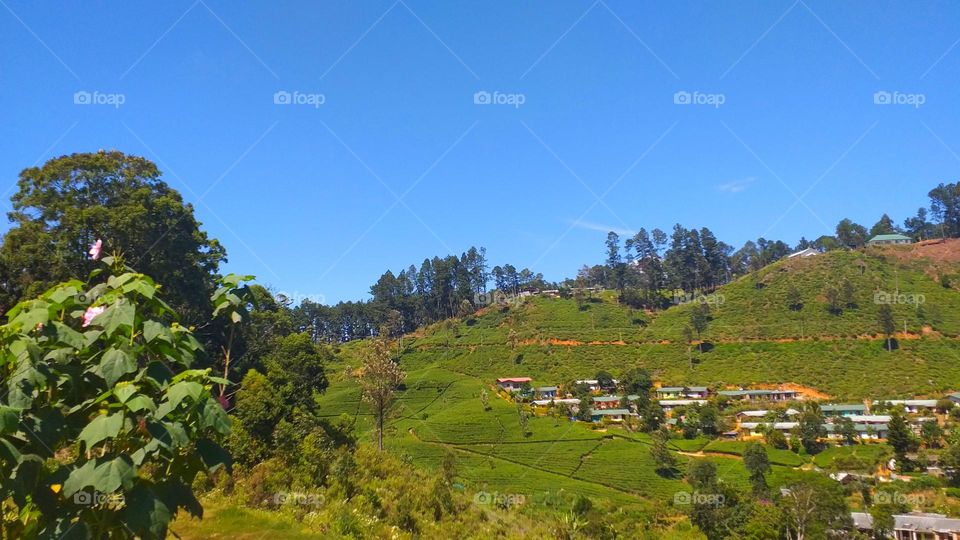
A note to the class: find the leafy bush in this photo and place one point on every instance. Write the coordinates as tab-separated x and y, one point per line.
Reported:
103	423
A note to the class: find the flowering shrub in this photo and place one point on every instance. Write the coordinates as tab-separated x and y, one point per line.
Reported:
103	422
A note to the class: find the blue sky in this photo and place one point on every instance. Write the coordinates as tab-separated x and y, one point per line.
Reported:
398	162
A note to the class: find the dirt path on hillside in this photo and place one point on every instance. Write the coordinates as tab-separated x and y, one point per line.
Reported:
927	333
701	454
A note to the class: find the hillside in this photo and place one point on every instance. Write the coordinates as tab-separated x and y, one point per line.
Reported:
754	339
754	336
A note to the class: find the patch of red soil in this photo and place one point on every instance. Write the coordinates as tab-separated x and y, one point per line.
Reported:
936	250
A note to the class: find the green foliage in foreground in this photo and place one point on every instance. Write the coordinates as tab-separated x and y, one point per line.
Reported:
382	496
103	425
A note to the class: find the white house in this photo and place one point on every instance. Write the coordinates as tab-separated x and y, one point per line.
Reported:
669	404
912	406
513	384
913	526
809	252
678	392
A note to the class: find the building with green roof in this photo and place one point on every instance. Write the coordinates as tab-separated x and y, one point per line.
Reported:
886	239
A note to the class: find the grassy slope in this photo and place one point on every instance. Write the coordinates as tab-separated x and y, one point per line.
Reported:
449	363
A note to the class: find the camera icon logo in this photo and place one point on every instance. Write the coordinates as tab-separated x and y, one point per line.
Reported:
682	98
83	498
882	98
482	98
681	498
282	97
82	98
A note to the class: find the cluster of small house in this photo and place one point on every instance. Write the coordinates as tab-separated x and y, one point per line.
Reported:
610	407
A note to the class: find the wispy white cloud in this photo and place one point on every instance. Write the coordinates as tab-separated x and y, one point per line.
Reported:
736	186
590	226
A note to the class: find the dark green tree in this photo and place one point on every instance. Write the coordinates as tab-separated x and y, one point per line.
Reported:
794	300
847	429
887	325
899	435
295	366
848	294
945	207
637	382
757	463
699	319
64	206
811	427
664	460
834	305
884	226
851	234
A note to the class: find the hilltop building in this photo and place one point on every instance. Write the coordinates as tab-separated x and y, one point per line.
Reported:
888	239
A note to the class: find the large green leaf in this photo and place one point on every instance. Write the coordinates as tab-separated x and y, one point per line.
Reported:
213	416
146	514
9	419
213	455
63	355
8	451
141	403
169	435
115	364
154	330
183	390
109	476
80	478
124	390
62	294
101	428
69	336
141	454
28	320
119	314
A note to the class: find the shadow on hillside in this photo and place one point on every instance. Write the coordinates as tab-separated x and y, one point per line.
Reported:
670	473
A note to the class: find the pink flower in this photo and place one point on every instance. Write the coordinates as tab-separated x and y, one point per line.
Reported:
91	313
224	402
95	249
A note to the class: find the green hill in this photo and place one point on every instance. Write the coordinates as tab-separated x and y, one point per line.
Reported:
754	338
